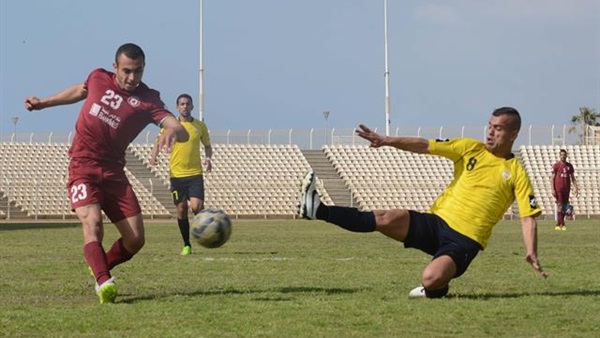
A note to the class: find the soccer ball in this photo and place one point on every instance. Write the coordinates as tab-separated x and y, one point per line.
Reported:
211	228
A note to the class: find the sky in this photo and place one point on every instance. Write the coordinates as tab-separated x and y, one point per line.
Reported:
281	63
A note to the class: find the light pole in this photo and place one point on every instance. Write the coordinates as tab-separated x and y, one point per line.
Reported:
386	74
201	69
15	120
326	116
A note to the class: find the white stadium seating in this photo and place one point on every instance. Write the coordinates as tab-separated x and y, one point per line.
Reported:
247	179
257	180
386	178
34	177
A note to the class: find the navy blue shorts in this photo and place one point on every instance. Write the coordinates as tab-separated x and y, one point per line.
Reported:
431	234
184	188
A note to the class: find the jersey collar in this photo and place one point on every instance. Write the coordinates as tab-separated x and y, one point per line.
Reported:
179	119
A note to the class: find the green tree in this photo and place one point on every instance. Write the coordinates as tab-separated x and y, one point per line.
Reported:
581	122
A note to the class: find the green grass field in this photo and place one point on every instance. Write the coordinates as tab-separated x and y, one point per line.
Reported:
297	279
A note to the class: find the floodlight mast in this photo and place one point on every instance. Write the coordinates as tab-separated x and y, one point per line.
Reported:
201	69
386	74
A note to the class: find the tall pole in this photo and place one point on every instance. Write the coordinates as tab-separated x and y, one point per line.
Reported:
386	75
201	87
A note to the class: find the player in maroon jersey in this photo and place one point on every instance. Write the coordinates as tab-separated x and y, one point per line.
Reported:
562	178
117	107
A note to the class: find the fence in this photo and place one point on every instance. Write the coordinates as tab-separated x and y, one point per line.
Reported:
316	138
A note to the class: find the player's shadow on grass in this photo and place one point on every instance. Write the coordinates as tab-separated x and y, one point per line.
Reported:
485	296
41	225
282	291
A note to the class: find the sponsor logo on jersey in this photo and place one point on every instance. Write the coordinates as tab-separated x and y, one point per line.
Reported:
506	174
134	101
95	109
105	116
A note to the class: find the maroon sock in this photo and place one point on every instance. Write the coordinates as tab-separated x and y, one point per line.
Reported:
561	218
96	259
117	254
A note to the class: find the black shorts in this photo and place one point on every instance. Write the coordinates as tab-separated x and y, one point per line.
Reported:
184	188
431	234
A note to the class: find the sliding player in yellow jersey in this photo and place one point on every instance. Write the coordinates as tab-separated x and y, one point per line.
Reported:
487	179
185	168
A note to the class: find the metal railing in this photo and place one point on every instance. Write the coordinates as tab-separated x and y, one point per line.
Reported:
316	138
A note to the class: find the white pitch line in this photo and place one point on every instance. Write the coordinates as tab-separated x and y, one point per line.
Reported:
224	259
266	259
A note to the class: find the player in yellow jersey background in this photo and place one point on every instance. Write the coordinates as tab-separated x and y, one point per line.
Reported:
487	179
185	168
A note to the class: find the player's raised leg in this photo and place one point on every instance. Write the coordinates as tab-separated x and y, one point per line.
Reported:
311	207
309	200
392	223
123	209
132	240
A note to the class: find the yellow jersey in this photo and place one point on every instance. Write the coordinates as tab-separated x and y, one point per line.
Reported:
185	156
483	188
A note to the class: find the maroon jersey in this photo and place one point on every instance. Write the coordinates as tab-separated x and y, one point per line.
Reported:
112	117
562	175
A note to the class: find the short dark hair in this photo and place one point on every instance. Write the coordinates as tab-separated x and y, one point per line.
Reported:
563	151
187	96
512	112
131	50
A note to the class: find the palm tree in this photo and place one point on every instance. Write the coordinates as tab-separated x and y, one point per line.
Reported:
587	117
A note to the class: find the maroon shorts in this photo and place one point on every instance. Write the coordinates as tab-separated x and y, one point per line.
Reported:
562	197
90	183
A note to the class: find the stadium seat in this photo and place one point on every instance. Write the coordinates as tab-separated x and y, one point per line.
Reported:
585	159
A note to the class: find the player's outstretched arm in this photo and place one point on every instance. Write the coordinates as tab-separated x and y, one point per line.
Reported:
154	154
529	229
412	144
72	94
173	132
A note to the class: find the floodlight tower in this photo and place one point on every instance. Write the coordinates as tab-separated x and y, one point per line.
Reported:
201	69
386	74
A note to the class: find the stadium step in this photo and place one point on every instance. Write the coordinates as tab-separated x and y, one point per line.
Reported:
333	183
144	175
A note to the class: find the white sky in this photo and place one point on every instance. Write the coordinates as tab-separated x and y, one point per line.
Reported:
280	64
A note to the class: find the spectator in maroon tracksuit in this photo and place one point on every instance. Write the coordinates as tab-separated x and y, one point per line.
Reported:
562	177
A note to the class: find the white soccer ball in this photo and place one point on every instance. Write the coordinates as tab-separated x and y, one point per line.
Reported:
211	228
